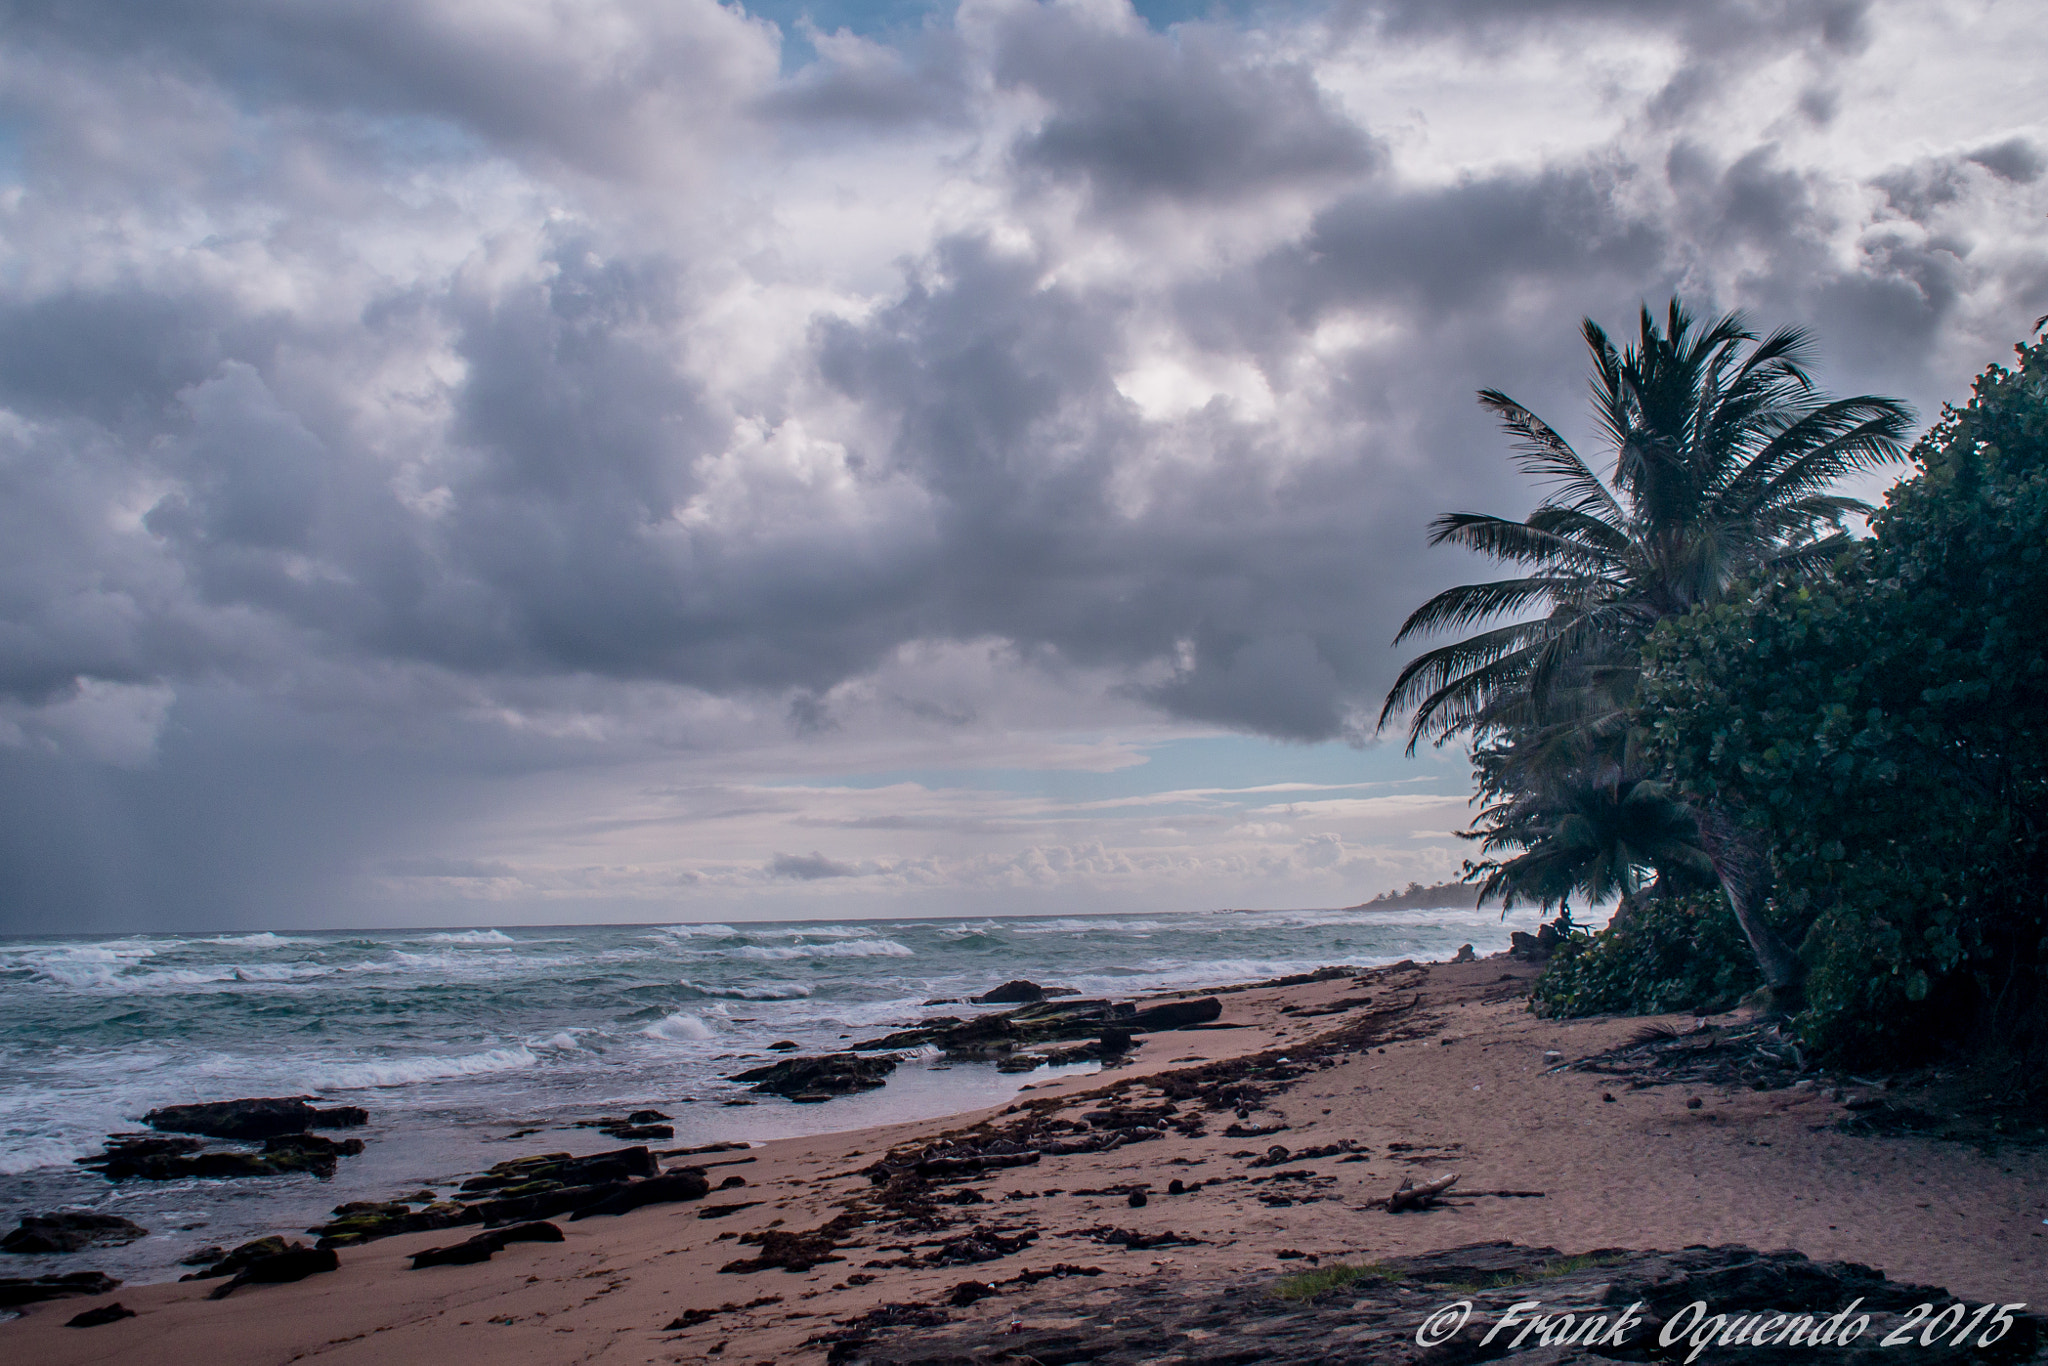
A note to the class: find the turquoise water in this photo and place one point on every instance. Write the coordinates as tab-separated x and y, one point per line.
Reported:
455	1040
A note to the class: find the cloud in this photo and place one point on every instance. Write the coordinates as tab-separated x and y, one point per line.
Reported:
809	867
420	422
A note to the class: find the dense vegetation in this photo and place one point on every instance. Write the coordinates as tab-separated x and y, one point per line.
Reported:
1754	730
1884	726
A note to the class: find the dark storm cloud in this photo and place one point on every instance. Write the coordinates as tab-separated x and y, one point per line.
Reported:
574	83
809	867
1445	251
351	357
1137	116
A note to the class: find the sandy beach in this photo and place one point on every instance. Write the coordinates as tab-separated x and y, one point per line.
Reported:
1409	1071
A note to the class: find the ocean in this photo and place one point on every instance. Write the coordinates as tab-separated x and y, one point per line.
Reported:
461	1043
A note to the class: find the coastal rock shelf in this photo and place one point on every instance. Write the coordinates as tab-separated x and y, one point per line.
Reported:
253	1118
527	1189
1370	1313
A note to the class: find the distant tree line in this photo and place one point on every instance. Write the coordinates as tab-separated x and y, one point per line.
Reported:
1415	896
1796	757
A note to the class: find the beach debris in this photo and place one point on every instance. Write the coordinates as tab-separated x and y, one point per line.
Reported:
1758	1055
15	1290
1134	1239
485	1246
1254	1130
1408	1195
69	1231
690	1318
106	1313
253	1118
785	1250
829	1075
676	1184
294	1263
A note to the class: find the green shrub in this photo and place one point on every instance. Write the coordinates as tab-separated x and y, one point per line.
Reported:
1674	953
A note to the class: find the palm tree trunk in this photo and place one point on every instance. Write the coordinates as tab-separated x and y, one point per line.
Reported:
1742	863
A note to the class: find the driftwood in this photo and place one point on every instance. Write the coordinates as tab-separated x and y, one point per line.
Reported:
1408	1195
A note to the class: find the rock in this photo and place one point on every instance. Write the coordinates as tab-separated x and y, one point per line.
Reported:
253	1118
1016	993
16	1290
561	1169
1177	1014
519	1209
1021	1062
295	1263
646	1117
788	1045
1137	1200
364	1221
1465	954
831	1074
1219	1320
205	1256
240	1258
69	1231
1524	947
174	1159
683	1183
484	1246
641	1131
1115	1041
106	1313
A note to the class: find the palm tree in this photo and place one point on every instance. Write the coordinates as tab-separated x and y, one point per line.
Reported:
1725	465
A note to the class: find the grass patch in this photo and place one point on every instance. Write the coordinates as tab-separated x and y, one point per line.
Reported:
1549	1271
1309	1284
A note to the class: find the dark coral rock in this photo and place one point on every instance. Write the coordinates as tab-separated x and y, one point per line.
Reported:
259	1117
106	1313
295	1263
16	1290
69	1231
831	1074
484	1246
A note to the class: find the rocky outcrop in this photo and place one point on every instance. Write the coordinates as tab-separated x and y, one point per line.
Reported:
1021	993
148	1158
69	1231
1177	1014
834	1074
525	1175
363	1221
485	1246
1374	1316
18	1290
684	1183
294	1262
106	1313
255	1118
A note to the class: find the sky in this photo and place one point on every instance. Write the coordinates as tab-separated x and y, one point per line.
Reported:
544	461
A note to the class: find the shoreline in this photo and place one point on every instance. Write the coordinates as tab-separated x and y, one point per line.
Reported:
1408	1070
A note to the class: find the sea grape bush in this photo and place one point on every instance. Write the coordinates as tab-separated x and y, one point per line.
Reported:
1672	953
1885	725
